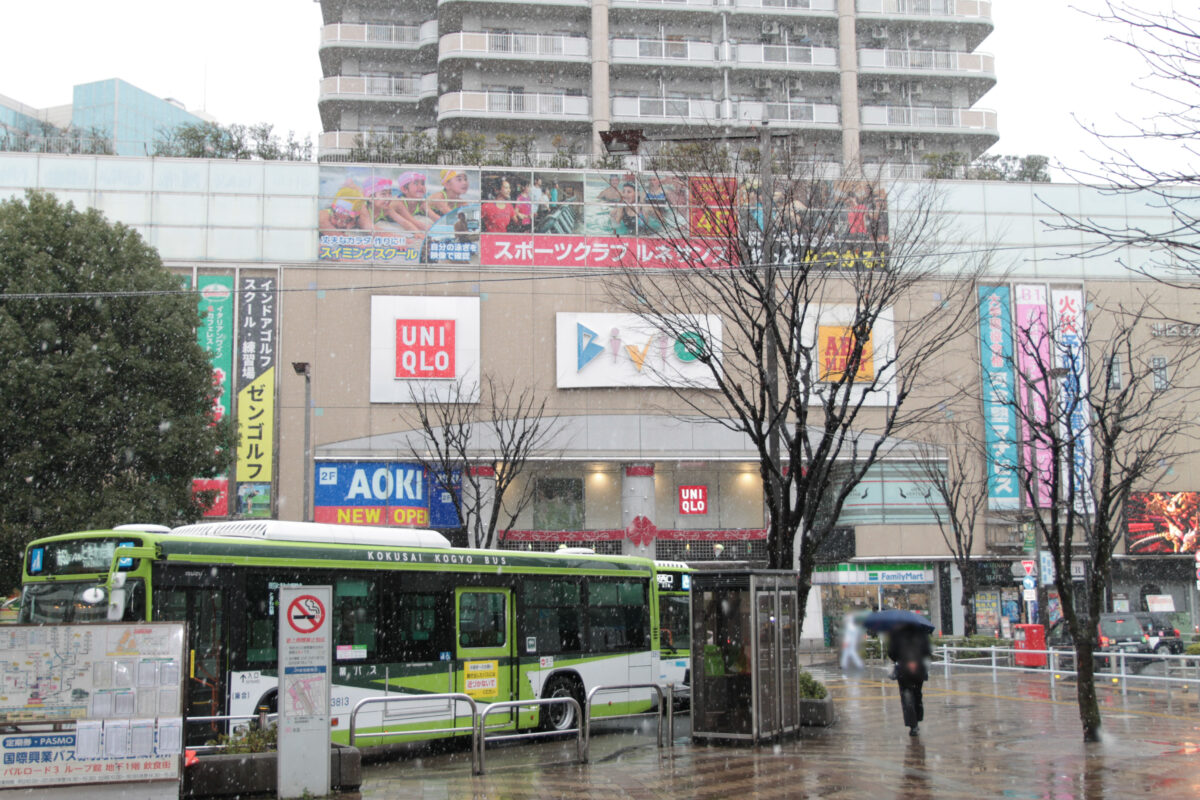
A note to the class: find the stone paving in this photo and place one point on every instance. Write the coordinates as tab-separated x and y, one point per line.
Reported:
1015	737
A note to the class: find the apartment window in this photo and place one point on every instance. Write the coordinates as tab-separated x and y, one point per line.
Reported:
1158	366
1114	372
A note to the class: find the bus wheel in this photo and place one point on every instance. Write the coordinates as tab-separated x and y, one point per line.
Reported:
561	716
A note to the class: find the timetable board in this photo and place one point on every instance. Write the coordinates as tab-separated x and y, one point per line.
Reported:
120	683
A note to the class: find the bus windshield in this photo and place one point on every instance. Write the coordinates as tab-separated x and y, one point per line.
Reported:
60	603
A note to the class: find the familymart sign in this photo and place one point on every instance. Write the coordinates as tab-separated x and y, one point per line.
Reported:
872	574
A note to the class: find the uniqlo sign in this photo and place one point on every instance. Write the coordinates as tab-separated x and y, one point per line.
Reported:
693	499
425	348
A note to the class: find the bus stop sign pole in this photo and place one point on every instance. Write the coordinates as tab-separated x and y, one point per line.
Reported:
304	688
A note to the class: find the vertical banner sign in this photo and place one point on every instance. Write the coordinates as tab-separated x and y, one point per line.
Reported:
256	394
1066	307
304	689
215	335
1034	365
999	414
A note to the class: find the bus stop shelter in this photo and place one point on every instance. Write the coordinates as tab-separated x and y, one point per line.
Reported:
745	655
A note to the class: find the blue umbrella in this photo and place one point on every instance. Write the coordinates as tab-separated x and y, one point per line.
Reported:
891	619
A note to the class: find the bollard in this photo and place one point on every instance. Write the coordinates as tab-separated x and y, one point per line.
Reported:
994	676
1124	682
946	662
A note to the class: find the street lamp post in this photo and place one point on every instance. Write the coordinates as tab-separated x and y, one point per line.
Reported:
305	369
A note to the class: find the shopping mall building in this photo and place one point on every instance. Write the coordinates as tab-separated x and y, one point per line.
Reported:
302	300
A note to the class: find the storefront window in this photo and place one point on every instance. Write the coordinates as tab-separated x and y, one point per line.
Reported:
558	504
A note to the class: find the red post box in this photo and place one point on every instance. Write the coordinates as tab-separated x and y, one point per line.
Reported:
1029	637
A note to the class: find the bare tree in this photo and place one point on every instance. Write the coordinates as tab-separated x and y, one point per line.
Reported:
949	471
1099	420
834	301
1169	44
478	442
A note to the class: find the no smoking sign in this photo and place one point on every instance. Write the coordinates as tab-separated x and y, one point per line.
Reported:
306	614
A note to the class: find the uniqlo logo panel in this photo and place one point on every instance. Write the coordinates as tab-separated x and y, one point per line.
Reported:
425	348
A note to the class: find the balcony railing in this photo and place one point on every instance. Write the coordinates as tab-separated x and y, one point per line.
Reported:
673	109
969	9
921	117
927	60
365	33
522	45
397	87
786	54
664	50
500	104
754	111
803	5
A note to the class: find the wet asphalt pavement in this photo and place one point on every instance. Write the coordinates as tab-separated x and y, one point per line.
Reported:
1017	737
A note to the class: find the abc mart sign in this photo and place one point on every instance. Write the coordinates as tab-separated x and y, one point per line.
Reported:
625	350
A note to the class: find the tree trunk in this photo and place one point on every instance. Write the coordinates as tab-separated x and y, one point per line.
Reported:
1085	692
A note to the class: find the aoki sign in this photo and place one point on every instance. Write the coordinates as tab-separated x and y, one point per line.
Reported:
595	350
421	346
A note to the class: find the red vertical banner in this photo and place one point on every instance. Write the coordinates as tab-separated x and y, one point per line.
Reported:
712	207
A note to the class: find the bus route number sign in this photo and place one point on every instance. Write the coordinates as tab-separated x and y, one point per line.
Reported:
306	614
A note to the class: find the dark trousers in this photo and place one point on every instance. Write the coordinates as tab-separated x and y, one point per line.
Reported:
912	702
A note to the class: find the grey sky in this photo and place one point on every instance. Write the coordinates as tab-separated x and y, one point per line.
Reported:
256	61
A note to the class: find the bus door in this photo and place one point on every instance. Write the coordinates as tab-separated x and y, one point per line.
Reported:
204	610
485	648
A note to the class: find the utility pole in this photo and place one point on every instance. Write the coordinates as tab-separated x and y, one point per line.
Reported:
766	194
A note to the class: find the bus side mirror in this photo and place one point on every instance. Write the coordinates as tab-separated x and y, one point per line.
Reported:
116	597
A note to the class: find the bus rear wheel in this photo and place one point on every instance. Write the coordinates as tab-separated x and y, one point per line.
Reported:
561	716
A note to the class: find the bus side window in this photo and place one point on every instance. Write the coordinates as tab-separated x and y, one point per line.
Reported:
261	621
482	619
618	616
416	626
354	607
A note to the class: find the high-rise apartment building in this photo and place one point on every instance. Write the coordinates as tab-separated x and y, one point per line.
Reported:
884	81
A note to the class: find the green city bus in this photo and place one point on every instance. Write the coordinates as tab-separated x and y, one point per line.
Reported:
675	627
411	615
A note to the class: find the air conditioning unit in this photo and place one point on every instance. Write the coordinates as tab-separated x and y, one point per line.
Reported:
800	31
795	85
916	89
895	143
879	33
764	83
770	27
881	87
919	145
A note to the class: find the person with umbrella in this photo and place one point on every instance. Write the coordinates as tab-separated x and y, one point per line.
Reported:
908	647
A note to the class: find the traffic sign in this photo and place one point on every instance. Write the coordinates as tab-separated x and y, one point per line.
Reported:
305	614
1029	582
1027	565
1031	595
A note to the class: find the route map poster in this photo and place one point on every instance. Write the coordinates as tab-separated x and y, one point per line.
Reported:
122	685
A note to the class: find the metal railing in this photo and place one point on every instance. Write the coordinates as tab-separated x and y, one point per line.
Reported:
479	729
665	701
1124	667
481	737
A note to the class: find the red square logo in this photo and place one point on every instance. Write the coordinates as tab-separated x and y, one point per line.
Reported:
693	499
425	348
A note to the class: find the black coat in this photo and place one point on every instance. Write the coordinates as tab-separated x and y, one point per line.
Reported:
909	647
